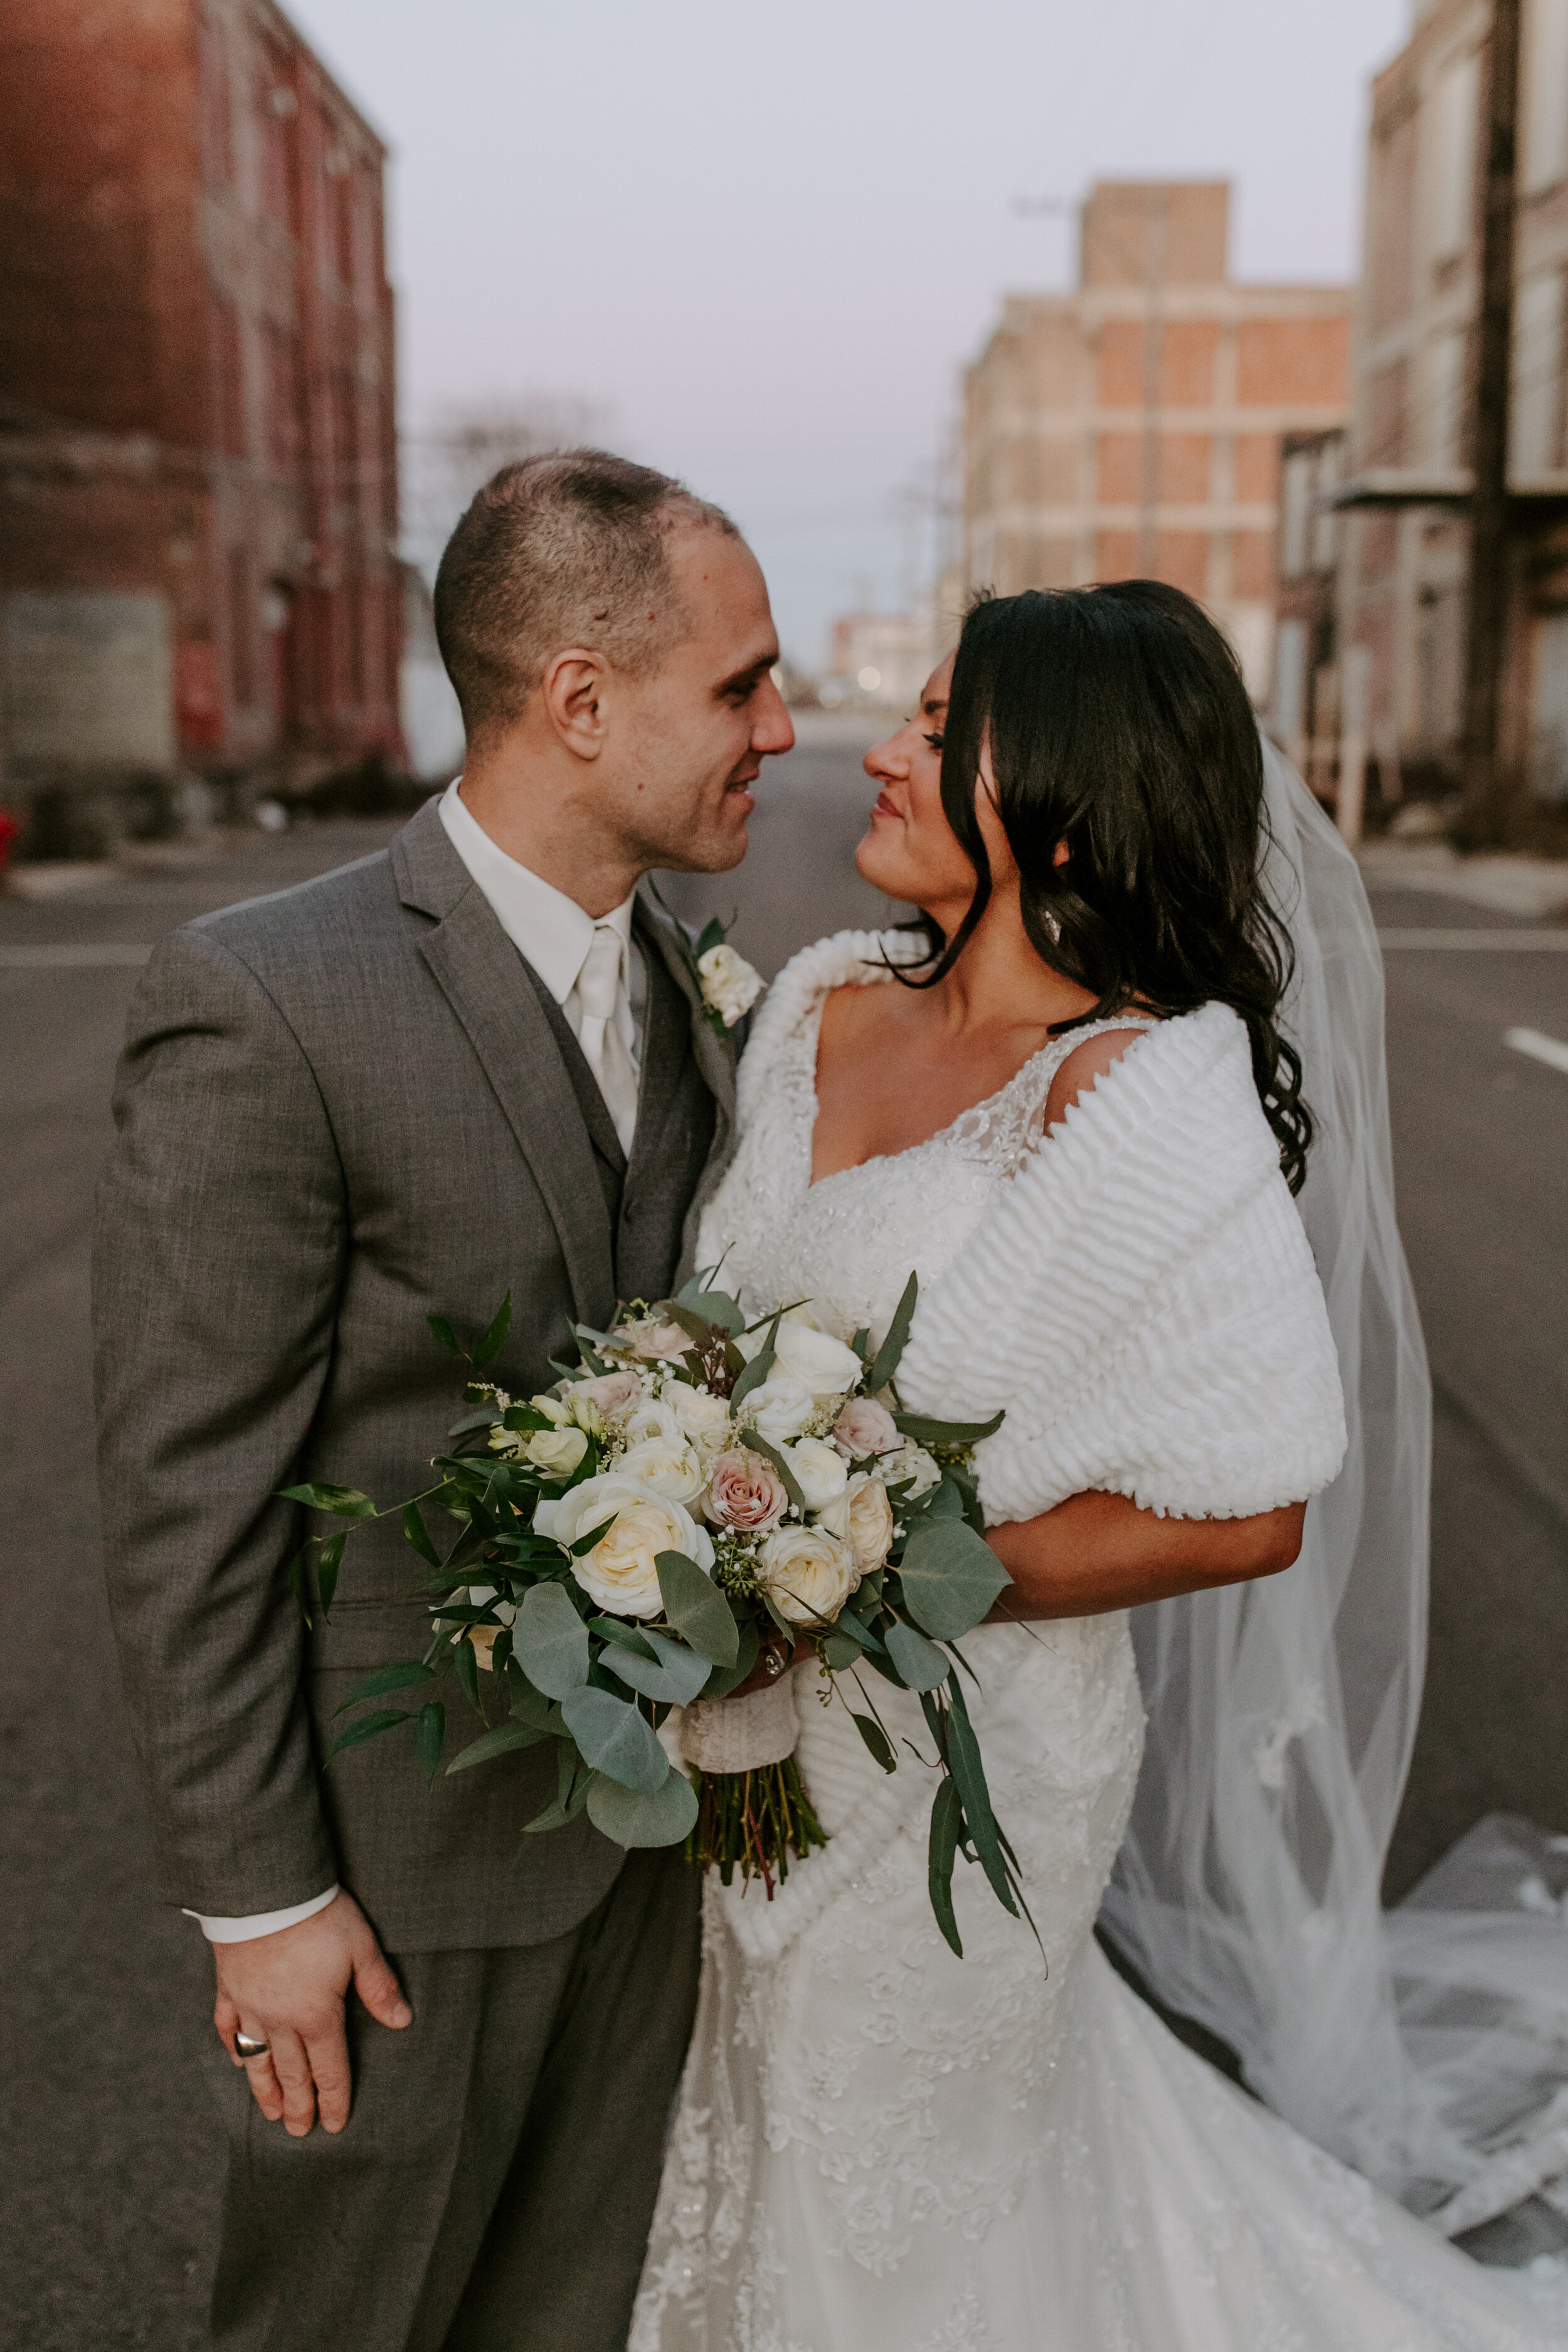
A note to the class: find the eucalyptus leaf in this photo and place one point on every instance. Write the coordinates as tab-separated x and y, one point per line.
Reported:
531	1706
876	1739
919	1662
885	1363
616	1740
625	1637
417	1533
338	1502
724	1679
697	1609
969	1773
369	1726
674	1679
573	1783
549	1640
945	1502
716	1306
756	1444
950	1578
430	1738
499	1742
840	1649
400	1676
490	1346
662	1816
925	1431
946	1818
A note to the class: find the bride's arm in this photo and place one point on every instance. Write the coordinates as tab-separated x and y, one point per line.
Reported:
1095	1552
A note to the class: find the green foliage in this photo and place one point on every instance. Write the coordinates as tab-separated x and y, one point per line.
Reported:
923	1431
549	1640
417	1533
338	1502
400	1676
466	1666
946	1821
950	1577
840	1648
724	1679
327	1568
499	1742
443	1334
369	1726
430	1738
877	1740
697	1609
490	1346
674	1679
757	1370
886	1361
662	1816
613	1738
770	1453
920	1663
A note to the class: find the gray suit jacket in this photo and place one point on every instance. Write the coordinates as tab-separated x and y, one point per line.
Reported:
340	1109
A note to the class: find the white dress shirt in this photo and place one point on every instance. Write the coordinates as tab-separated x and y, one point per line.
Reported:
555	934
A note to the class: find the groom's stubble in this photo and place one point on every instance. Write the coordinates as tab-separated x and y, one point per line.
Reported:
606	776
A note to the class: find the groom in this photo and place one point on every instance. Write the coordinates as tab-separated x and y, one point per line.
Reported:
475	1061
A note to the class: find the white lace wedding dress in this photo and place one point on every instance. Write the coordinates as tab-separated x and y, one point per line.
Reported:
880	2147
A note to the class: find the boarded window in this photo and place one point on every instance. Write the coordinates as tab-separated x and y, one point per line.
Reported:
1454	157
1543	94
1533	427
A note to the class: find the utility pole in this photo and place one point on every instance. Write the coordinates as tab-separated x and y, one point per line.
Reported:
1486	781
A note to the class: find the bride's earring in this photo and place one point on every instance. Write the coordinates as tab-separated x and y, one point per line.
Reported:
1053	925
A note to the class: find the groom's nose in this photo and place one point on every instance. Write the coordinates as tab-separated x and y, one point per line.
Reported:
772	729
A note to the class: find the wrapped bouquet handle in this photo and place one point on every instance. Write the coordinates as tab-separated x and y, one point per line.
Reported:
741	1735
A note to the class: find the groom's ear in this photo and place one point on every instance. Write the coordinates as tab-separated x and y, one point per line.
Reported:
572	698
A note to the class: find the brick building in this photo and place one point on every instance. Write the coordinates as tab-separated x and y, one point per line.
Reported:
1133	428
197	452
1403	571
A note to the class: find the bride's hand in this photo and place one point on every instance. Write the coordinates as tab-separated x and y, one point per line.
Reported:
1095	1552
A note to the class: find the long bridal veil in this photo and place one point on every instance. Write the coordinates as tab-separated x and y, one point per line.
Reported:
1427	2046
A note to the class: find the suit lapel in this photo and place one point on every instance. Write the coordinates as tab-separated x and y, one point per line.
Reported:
715	1055
476	968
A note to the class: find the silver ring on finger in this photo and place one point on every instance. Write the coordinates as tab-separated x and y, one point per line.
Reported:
243	2047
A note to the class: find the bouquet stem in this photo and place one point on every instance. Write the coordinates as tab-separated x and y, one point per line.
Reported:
753	1820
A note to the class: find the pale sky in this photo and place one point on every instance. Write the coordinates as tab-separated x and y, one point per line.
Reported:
766	241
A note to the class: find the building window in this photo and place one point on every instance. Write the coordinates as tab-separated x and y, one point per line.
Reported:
217	112
1295	512
1445	401
1533	426
277	110
1543	94
282	395
228	378
241	629
1454	159
344	225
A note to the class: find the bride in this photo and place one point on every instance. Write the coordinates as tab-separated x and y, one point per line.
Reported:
1067	1102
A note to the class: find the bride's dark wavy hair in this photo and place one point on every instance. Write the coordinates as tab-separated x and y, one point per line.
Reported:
1117	722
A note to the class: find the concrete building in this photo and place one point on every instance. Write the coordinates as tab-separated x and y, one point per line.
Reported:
197	452
1133	428
1403	571
1304	707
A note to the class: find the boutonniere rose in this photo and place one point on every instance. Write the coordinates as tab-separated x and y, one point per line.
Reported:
730	986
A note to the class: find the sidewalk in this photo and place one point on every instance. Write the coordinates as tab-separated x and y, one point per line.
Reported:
1535	890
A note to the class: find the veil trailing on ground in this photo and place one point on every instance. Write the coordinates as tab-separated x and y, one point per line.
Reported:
1427	2046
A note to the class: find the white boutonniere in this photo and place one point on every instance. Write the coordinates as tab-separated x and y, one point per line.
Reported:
728	985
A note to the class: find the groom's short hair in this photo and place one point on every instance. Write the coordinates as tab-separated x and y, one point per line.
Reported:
569	548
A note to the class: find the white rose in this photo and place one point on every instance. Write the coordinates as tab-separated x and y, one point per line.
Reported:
556	1452
552	1408
667	1464
808	1573
704	1419
621	1573
912	1466
729	984
650	1419
817	1360
820	1471
778	1408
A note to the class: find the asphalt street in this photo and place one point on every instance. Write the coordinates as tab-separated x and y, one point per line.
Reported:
108	2151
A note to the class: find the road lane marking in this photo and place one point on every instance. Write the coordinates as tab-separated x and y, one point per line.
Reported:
1480	942
1539	1048
51	956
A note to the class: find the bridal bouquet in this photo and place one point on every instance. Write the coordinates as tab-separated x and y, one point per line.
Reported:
692	1506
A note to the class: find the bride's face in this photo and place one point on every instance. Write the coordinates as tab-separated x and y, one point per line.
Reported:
909	850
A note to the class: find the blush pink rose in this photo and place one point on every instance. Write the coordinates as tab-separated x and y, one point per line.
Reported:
661	1343
611	1392
745	1491
866	1427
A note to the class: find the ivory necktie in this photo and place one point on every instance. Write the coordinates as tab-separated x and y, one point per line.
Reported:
604	1047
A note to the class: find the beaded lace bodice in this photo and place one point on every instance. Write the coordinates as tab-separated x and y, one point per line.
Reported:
850	1241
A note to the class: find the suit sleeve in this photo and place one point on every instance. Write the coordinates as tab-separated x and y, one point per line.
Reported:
219	1257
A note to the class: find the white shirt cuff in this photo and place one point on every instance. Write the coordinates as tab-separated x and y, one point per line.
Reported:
260	1923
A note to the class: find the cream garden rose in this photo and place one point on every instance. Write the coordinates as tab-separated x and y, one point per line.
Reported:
668	1464
621	1573
778	1408
808	1573
704	1419
866	1427
556	1452
819	1470
870	1522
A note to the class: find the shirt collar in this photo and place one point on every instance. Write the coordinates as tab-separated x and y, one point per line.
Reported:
543	923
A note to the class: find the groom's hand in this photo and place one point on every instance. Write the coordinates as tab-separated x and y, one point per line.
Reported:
289	1991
